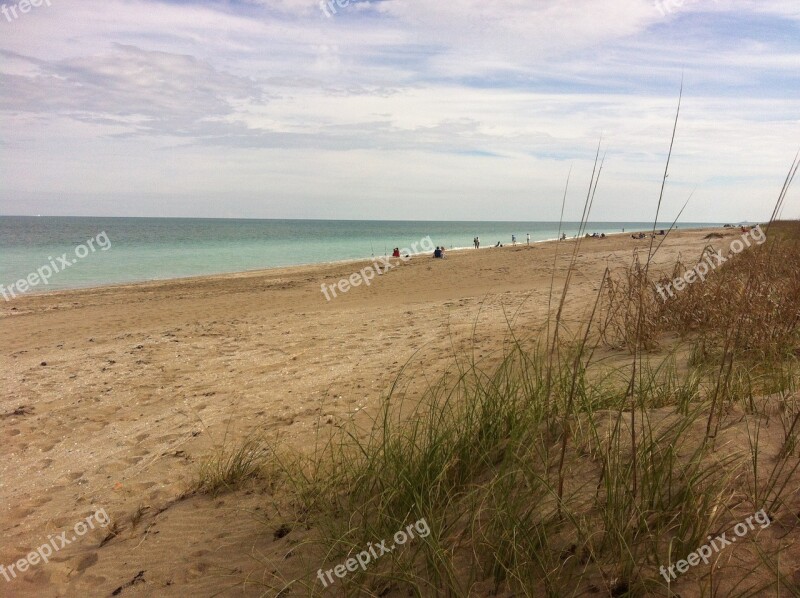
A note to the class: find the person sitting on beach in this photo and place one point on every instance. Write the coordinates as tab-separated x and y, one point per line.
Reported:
498	244
441	252
437	253
563	236
396	252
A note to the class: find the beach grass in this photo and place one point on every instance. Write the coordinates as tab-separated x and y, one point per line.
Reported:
578	460
231	464
526	471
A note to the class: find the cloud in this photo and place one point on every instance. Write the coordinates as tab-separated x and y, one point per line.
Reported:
153	92
448	101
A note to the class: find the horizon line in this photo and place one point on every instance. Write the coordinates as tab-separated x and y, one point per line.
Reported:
357	219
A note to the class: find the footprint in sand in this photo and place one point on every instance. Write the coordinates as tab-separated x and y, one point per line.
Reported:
168	438
19	513
156	495
112	467
87	561
41	501
94	426
198	569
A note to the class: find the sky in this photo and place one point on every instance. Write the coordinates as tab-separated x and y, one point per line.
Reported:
398	109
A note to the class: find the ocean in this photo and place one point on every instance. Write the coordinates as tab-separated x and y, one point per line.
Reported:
127	250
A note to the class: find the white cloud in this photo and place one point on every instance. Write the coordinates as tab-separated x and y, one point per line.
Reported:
452	108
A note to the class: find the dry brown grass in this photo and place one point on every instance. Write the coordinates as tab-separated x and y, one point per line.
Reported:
749	306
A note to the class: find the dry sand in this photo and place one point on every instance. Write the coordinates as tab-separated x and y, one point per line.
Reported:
114	395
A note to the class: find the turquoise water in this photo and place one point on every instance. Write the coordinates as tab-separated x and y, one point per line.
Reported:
162	248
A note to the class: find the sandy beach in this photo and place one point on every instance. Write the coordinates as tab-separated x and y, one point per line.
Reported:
114	395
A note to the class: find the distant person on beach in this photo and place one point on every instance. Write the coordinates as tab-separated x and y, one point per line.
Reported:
441	252
528	239
563	236
498	244
513	239
475	242
478	239
438	252
396	252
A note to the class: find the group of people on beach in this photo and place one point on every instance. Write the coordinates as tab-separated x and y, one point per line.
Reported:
527	239
660	233
476	241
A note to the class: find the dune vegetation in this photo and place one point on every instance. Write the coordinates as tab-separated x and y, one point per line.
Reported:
582	459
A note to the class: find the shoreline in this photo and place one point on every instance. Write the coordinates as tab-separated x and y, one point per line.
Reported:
277	270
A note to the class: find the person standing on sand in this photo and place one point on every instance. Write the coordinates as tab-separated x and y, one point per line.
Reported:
513	239
528	239
477	242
